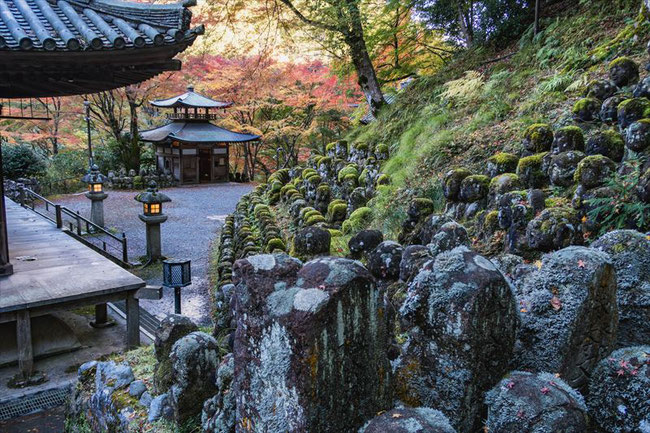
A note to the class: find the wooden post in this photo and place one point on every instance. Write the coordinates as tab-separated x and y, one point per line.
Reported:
101	317
132	321
24	343
5	266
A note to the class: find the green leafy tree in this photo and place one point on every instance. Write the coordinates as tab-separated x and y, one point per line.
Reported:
21	161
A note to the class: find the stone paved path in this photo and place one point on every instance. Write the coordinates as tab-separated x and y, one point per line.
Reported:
196	215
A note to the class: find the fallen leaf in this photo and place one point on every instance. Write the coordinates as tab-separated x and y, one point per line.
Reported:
556	303
397	415
538	263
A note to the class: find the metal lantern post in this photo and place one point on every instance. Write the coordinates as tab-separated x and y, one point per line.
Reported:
152	216
177	274
96	194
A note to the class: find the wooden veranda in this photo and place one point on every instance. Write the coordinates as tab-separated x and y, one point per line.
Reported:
52	272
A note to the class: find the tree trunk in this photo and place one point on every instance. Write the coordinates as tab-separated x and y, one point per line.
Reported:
367	77
133	141
465	23
537	9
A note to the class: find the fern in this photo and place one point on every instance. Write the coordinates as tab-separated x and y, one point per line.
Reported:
621	209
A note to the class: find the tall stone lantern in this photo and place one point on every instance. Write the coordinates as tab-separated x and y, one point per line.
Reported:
96	194
153	216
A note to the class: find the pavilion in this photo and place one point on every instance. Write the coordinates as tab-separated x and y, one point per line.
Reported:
190	147
52	48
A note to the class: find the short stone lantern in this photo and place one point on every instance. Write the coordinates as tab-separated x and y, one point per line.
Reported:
177	274
96	194
153	216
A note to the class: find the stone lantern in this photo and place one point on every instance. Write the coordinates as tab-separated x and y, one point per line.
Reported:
153	216
96	194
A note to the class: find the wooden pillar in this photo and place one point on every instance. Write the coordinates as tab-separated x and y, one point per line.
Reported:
101	317
24	343
5	266
180	162
132	321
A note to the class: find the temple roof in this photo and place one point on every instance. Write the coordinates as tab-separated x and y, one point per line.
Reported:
195	132
67	47
189	99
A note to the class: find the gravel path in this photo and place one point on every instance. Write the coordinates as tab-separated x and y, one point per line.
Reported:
196	215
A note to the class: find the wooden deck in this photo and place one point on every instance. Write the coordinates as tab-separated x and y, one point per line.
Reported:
53	271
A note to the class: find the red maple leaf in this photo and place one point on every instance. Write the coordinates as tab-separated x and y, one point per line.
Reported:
581	264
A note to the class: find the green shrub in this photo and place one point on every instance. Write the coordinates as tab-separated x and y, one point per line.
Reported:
22	161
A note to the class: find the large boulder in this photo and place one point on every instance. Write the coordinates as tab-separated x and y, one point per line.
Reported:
563	166
312	241
630	253
525	402
451	183
586	110
568	314
413	257
593	171
631	110
449	236
384	261
171	328
194	364
601	89
460	319
409	420
619	391
538	138
609	109
568	138
608	143
429	227
623	71
554	228
637	137
310	347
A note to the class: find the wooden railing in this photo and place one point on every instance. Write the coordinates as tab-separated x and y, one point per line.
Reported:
192	116
97	237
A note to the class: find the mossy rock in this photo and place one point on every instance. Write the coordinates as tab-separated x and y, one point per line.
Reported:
337	213
601	89
361	147
631	110
530	170
491	222
363	177
501	163
359	220
538	138
383	179
593	170
308	172
503	183
419	208
451	183
382	150
637	137
568	138
346	171
275	244
586	110
563	166
474	188
330	147
608	143
554	228
623	71
314	219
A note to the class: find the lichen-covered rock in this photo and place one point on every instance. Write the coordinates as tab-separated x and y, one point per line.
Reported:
501	163
630	253
637	137
601	89
631	110
171	329
619	391
531	170
504	183
586	110
538	138
312	241
554	228
460	320
474	188
568	314
384	261
312	347
429	227
563	167
194	364
418	210
449	236
609	109
594	170
364	242
409	420
642	89
623	71
608	143
526	402
568	138
160	408
413	257
218	415
451	183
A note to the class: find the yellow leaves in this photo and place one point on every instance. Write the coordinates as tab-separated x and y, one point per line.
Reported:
396	415
466	89
538	264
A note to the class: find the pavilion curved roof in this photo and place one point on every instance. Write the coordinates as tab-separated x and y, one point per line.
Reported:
195	132
67	47
190	99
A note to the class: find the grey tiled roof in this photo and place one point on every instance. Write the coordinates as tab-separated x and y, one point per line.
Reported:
73	25
190	99
195	132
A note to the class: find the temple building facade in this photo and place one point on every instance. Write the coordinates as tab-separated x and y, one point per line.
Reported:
190	147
